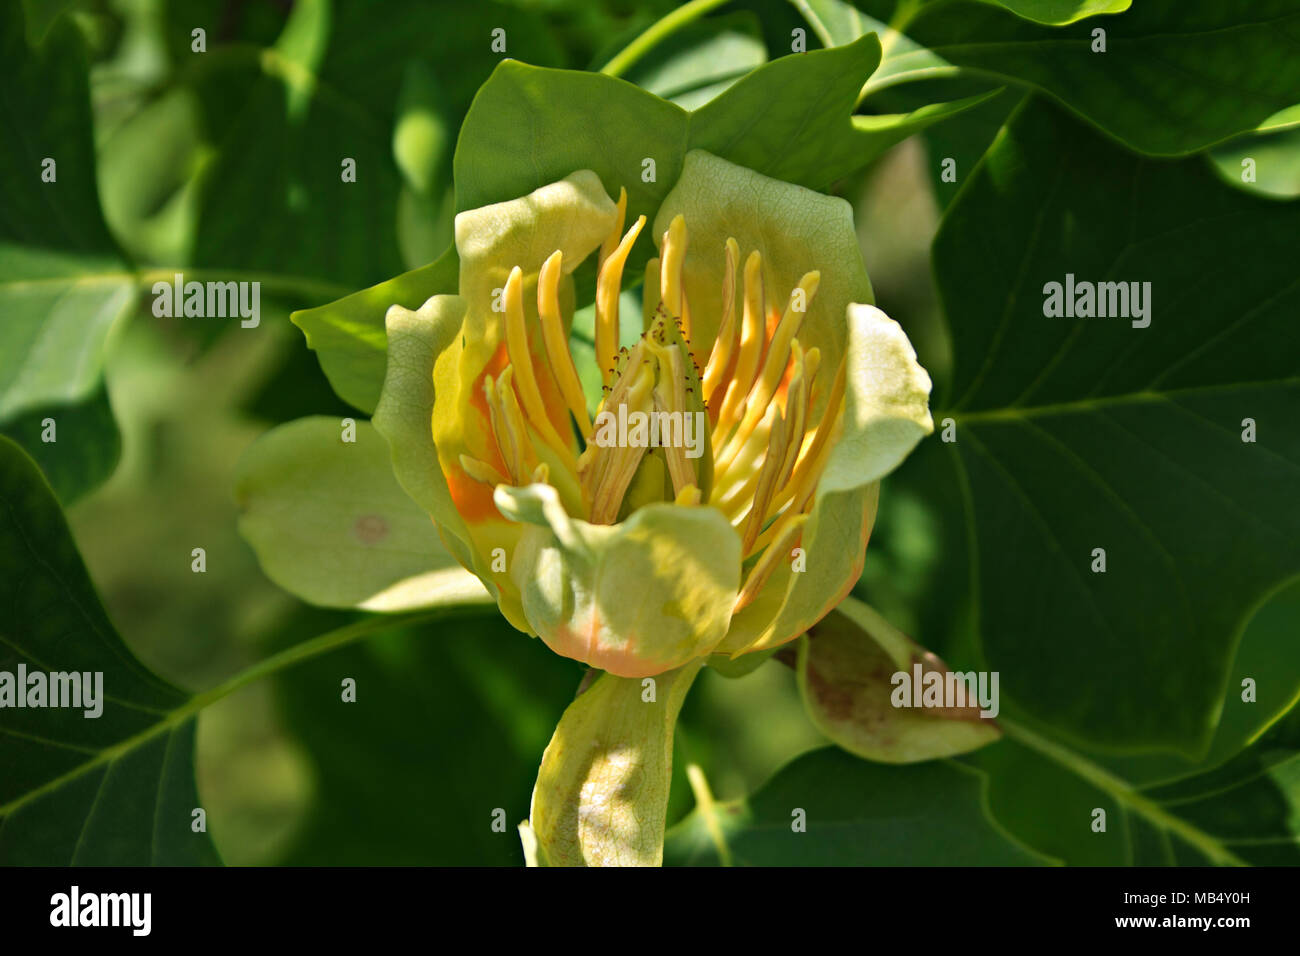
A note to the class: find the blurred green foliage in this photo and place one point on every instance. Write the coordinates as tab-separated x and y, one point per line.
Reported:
227	162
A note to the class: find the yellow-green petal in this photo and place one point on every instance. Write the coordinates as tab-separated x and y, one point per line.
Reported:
886	402
404	418
329	523
635	599
846	665
797	230
602	790
834	542
572	216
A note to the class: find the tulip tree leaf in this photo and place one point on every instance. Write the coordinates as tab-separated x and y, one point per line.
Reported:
790	119
464	710
1251	803
856	814
702	60
1268	164
63	283
117	789
323	168
1234	805
839	21
522	133
42	15
1057	12
348	334
76	446
1174	78
1077	434
316	98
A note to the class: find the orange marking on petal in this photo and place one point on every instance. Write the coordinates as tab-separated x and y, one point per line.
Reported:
472	498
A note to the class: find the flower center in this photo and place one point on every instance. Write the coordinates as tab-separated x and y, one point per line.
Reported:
757	391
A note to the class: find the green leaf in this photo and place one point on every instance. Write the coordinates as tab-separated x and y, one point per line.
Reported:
330	523
856	814
1161	809
839	21
348	334
119	789
1252	803
42	15
1059	12
964	140
702	59
1173	79
791	119
63	284
1272	161
149	170
521	134
258	205
881	131
328	90
529	127
464	711
113	789
523	130
1052	797
1077	434
76	446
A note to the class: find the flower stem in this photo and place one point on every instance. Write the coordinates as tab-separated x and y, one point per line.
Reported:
276	283
1123	792
708	809
659	31
287	658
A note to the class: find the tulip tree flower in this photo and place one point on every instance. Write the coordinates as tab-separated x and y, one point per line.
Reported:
646	561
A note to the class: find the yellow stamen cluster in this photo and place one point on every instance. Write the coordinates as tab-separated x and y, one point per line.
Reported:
759	387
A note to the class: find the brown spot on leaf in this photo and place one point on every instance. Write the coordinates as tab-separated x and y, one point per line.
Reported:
370	529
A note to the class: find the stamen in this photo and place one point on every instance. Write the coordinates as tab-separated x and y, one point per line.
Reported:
611	240
796	406
673	256
720	357
751	348
648	304
521	360
774	365
608	283
557	346
592	472
680	468
482	471
508	425
813	457
620	462
762	570
778	527
690	495
772	463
